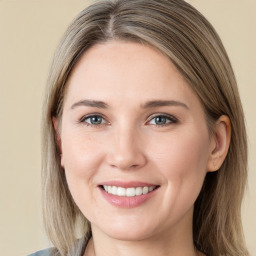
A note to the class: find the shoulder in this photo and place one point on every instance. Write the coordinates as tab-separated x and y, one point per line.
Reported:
45	252
78	249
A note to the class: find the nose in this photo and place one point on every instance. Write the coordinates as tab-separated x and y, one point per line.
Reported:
126	150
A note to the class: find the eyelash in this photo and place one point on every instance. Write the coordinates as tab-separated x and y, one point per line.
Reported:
84	118
170	120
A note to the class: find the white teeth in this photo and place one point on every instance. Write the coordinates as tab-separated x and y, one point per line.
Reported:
138	191
145	190
129	192
114	190
151	189
120	191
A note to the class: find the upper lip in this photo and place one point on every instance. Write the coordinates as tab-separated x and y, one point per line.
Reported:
129	184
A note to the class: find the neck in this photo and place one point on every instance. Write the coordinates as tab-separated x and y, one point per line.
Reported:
179	242
141	248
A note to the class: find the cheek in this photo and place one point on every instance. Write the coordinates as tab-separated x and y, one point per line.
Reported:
181	152
81	159
80	153
182	159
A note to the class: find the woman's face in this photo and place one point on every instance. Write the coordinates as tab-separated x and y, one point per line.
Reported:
135	143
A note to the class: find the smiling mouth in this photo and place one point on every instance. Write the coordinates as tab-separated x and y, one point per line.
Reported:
128	192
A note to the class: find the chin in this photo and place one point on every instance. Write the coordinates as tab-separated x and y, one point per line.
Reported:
129	231
130	236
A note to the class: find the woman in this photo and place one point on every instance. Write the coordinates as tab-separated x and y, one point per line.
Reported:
144	143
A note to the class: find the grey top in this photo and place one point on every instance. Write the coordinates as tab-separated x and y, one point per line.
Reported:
77	250
45	252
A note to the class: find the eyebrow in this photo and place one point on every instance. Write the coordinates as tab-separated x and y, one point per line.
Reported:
90	103
164	103
149	104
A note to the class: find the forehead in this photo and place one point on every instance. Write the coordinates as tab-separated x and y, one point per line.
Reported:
126	71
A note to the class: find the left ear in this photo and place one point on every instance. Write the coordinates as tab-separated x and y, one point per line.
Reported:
219	144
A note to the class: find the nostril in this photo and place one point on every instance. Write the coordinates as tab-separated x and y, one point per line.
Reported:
125	154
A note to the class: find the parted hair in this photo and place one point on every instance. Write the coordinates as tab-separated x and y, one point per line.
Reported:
180	32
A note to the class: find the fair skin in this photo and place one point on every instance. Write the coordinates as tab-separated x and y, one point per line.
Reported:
130	120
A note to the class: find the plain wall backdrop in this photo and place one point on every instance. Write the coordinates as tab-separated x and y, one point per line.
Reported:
29	33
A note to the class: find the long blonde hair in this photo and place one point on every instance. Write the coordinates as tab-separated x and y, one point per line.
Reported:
180	32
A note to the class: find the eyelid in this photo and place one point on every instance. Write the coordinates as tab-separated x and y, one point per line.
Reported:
83	118
172	118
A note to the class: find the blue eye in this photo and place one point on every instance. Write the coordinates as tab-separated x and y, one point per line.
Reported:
162	120
94	120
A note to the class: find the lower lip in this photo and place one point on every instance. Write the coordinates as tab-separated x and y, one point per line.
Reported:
127	202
